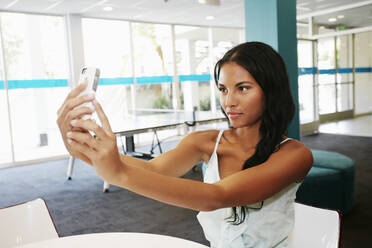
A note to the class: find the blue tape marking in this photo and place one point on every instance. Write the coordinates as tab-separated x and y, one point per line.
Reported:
2	85
154	79
195	77
115	81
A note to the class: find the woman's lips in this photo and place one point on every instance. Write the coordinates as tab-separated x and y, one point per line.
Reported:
234	115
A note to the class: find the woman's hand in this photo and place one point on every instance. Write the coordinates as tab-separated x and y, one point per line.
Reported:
102	149
69	111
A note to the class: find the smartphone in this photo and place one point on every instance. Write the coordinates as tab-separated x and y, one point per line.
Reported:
91	75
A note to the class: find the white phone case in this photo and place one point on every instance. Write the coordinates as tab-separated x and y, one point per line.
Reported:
91	75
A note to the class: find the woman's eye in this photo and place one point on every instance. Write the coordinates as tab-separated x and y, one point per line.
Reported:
243	88
222	90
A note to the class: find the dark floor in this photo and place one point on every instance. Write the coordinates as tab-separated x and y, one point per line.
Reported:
79	206
356	225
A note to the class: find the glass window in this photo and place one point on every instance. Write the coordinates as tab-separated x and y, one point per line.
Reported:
5	141
37	70
152	46
107	47
195	61
326	78
344	73
363	72
223	40
306	80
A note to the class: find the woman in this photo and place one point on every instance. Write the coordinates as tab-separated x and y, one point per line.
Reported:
252	169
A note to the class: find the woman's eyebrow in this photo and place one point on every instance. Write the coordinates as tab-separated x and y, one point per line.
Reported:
243	82
236	85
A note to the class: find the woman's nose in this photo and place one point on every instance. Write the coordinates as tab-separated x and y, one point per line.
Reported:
230	100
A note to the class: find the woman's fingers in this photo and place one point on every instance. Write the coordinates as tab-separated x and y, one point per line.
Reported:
83	138
102	117
74	102
82	148
76	91
78	113
73	93
89	125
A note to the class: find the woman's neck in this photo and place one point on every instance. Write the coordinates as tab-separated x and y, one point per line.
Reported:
247	137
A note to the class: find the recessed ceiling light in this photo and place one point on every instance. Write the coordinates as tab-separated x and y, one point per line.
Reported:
210	2
11	4
209	18
340	16
333	19
108	8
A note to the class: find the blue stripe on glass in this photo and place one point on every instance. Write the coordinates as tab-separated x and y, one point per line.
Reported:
51	83
363	69
327	71
312	70
307	70
154	79
115	81
344	70
195	77
36	83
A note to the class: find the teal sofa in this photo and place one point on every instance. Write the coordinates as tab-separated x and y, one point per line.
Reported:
329	183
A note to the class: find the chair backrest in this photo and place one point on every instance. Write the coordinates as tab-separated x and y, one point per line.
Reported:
26	223
315	227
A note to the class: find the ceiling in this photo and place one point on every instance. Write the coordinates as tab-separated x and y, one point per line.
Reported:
230	13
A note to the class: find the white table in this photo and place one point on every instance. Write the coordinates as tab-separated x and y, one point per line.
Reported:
116	240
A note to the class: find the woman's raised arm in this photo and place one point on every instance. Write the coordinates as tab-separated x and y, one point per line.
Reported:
284	167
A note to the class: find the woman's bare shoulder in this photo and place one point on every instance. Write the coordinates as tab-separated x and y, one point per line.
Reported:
204	140
293	144
202	137
297	146
298	152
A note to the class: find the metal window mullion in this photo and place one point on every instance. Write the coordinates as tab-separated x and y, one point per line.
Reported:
7	95
133	86
353	66
315	79
336	70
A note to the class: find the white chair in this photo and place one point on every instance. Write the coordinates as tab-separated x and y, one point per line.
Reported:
26	223
315	227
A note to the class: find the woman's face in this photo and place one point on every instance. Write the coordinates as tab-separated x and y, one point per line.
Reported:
241	97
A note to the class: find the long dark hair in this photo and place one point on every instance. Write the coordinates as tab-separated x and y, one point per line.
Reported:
268	69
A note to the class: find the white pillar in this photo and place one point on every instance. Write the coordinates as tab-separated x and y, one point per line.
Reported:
39	136
75	47
212	83
176	100
190	88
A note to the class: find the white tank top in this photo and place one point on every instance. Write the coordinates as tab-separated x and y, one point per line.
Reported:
264	227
